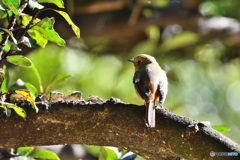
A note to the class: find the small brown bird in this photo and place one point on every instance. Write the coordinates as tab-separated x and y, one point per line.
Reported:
151	84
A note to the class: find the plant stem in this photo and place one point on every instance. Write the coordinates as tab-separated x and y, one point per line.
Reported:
38	77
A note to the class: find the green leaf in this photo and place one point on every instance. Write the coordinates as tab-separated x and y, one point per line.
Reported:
13	5
50	35
24	151
10	33
43	154
27	18
18	110
45	28
4	83
2	75
59	78
42	31
33	4
46	23
36	35
56	79
1	33
4	12
25	62
12	8
20	61
27	94
31	88
67	18
58	3
7	47
107	154
220	128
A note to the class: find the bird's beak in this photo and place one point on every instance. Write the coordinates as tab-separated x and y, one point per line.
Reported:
130	60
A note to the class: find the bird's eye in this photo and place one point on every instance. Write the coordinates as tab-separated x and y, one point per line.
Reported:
138	61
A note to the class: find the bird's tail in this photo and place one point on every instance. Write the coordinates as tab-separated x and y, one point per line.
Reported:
150	114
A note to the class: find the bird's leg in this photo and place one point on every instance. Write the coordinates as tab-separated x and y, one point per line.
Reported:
160	105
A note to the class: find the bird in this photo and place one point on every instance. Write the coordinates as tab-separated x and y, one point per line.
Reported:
150	83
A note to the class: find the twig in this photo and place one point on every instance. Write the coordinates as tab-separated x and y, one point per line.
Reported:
6	35
4	56
10	28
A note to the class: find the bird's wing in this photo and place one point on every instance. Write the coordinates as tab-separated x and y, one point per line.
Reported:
142	90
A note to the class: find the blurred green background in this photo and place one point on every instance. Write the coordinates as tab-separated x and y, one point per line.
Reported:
200	56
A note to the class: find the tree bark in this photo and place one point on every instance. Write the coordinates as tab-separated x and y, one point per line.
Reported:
113	123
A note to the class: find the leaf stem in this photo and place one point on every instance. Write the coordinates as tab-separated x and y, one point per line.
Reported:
38	77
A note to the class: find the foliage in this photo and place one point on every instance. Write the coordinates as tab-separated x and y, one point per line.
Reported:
31	92
7	106
39	31
27	94
56	79
27	63
36	153
30	31
3	80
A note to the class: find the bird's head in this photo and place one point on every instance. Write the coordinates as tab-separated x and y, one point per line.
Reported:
142	60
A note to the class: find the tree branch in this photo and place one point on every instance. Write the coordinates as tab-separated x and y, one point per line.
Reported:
117	124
